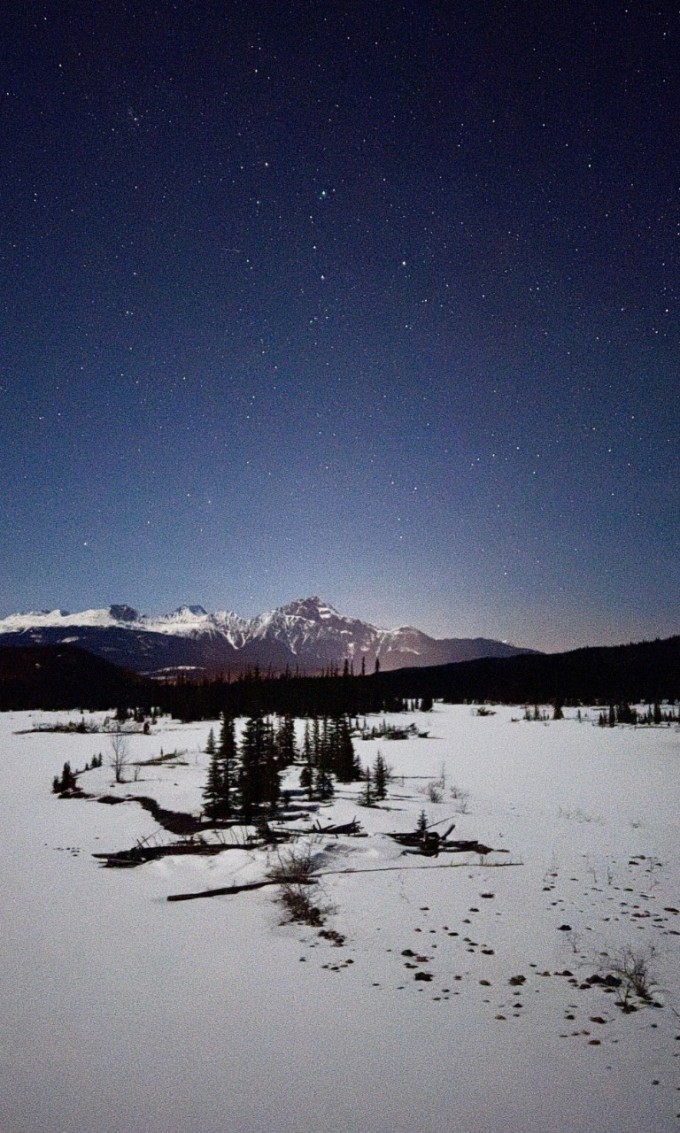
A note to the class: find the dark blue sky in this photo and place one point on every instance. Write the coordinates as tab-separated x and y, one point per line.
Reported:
375	301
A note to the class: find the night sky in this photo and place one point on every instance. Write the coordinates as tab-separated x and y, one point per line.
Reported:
373	301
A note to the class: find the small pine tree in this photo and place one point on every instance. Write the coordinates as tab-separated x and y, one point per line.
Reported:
307	773
210	747
226	755
285	741
68	779
345	763
307	780
380	777
213	791
323	784
366	797
422	824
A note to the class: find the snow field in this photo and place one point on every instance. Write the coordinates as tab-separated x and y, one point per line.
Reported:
122	1013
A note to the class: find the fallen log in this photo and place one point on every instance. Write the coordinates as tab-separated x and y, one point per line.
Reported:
230	890
139	855
352	827
431	848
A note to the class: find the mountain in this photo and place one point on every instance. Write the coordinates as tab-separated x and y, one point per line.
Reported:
307	635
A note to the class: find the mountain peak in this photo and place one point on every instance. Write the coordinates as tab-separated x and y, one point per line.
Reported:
313	608
123	613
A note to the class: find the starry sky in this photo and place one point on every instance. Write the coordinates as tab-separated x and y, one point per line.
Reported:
372	301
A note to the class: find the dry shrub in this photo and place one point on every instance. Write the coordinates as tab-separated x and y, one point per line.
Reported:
294	870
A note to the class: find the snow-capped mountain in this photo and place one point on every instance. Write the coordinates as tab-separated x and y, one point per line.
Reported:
307	635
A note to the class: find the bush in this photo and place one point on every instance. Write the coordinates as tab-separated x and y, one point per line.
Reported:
636	981
295	870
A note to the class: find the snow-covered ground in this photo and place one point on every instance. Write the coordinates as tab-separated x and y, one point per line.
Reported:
123	1013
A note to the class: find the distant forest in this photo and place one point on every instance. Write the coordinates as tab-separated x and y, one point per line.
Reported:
65	677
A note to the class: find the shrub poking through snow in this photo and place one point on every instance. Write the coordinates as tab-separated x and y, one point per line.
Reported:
294	870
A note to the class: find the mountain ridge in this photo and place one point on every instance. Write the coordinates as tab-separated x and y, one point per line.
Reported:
307	634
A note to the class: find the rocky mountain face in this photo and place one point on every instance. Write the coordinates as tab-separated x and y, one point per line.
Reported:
307	636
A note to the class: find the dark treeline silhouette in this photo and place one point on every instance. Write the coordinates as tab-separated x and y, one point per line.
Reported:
645	672
53	677
252	695
61	677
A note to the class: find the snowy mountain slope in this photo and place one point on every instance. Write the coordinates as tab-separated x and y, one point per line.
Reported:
307	634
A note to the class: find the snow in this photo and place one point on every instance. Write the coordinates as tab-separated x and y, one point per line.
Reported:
43	619
123	1013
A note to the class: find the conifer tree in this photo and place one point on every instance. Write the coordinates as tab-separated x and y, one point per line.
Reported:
227	756
258	773
345	765
285	741
307	773
213	790
380	777
366	797
422	824
323	783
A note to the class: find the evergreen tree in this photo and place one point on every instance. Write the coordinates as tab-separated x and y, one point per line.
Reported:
258	773
271	767
285	741
307	773
227	755
345	765
366	797
213	790
323	783
380	777
323	758
210	748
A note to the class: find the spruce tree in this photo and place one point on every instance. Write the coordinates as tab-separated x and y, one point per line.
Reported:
259	772
285	741
346	766
380	777
227	757
307	773
366	797
213	790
